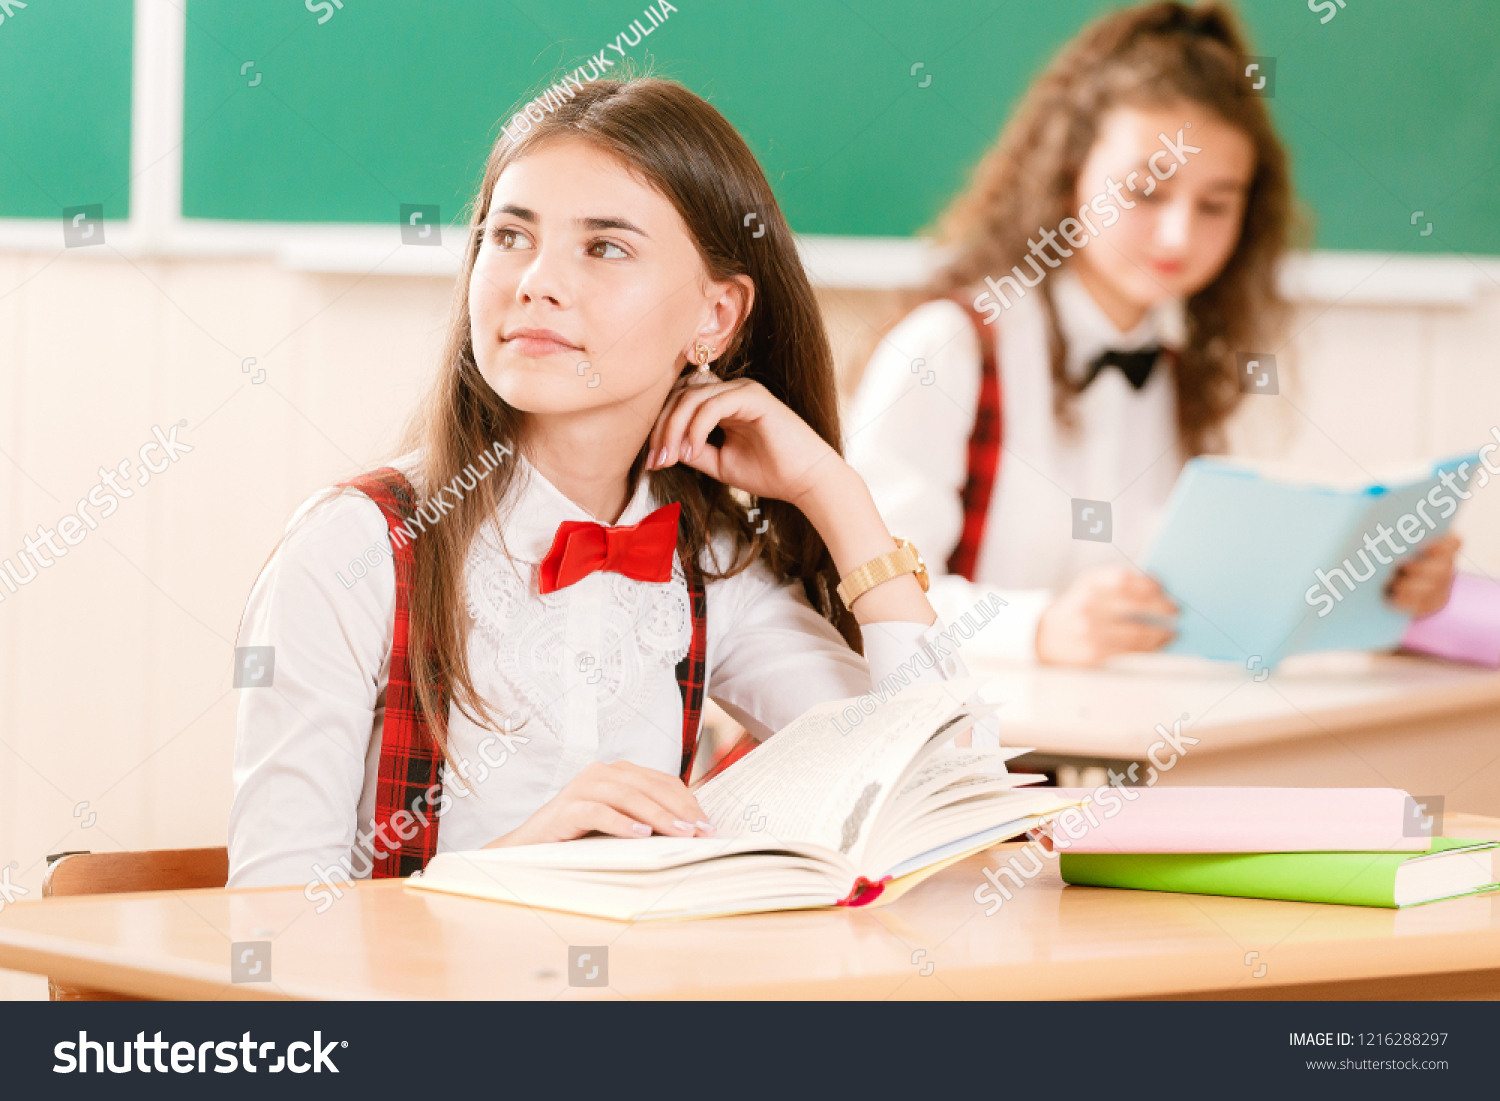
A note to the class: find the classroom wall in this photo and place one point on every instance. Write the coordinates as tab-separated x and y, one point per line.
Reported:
116	706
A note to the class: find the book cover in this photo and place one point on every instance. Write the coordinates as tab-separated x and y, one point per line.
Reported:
1264	565
1344	878
1245	820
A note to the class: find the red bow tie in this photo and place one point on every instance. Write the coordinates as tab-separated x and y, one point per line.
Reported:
642	551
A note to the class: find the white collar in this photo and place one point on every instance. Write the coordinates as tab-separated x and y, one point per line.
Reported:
531	522
1088	331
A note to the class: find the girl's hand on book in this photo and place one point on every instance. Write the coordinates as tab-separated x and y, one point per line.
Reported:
1422	584
768	450
1108	610
619	799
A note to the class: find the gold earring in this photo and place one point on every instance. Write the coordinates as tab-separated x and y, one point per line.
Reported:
701	353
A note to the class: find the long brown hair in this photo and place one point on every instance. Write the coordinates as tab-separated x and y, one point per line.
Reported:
1152	54
689	152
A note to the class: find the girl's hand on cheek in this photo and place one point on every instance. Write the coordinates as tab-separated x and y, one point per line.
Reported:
767	451
1422	584
619	799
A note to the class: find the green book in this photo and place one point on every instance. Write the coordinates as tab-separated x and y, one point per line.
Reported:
1449	869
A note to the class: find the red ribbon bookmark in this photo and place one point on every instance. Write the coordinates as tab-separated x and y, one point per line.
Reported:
864	892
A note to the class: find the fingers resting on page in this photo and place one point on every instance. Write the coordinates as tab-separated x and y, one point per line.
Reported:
619	799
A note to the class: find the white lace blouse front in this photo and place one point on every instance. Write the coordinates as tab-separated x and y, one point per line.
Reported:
587	673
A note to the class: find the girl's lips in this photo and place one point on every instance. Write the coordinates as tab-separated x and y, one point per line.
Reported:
538	346
1167	267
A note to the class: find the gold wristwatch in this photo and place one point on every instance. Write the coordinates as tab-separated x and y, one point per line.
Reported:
904	559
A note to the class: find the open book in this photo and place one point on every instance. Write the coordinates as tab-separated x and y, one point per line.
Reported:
1264	562
829	812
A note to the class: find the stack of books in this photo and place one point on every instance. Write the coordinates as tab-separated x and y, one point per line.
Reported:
1351	846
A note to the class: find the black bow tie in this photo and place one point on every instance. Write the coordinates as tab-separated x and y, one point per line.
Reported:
1134	365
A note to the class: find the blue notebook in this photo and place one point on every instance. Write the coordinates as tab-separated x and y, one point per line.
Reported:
1262	566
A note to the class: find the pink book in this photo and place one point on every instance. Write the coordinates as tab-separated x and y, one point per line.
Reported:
1466	629
1244	820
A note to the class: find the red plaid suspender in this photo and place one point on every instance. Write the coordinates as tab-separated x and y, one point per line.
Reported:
409	758
984	452
692	671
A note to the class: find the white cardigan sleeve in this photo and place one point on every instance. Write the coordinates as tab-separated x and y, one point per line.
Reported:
305	749
907	434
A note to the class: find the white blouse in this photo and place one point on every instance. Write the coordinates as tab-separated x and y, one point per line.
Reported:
908	435
587	673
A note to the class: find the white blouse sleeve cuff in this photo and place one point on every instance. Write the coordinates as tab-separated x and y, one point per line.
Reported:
989	623
909	653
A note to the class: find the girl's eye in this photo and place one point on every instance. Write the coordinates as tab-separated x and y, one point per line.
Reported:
1214	210
508	239
599	250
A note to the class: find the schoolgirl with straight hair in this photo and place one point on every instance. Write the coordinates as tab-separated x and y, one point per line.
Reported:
623	494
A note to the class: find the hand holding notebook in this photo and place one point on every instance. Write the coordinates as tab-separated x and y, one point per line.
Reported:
1266	563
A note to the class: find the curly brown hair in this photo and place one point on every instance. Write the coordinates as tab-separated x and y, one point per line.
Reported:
1149	55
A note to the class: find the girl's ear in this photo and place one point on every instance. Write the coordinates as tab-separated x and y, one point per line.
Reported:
728	304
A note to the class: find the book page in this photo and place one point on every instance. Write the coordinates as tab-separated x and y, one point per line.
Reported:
824	779
951	764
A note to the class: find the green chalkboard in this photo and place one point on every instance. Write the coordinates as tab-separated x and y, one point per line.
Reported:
65	107
314	112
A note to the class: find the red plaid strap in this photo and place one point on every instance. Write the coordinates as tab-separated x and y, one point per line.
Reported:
409	781
692	671
984	452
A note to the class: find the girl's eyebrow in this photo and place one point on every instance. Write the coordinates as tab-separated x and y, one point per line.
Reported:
518	212
612	223
593	224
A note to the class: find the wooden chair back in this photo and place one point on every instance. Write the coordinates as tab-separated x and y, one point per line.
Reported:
85	873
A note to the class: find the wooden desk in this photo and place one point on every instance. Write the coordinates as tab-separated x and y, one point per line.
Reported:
1321	720
384	941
